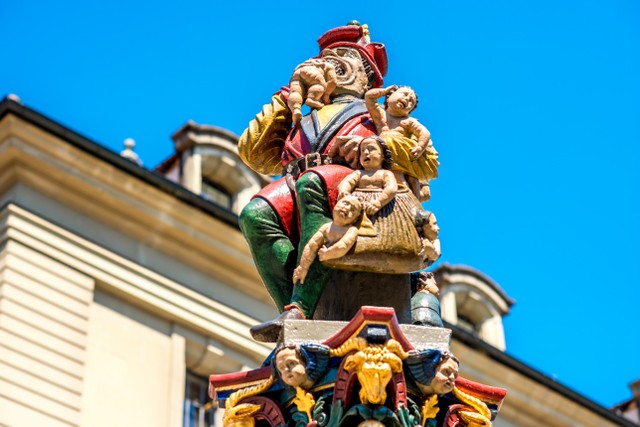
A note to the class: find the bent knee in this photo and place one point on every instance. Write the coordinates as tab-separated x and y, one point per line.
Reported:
309	180
252	212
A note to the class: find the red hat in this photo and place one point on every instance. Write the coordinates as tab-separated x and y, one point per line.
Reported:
355	36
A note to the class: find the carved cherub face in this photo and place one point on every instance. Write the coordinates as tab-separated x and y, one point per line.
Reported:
431	228
445	378
292	370
347	210
371	155
401	102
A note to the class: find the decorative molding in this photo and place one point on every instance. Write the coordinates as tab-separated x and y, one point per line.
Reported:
117	275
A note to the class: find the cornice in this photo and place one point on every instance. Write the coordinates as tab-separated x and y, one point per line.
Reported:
514	373
132	282
111	196
10	107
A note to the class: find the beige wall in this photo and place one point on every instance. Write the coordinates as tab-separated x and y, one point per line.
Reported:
129	367
110	289
89	338
44	325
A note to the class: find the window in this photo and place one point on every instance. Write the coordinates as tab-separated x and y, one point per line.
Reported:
215	193
467	325
198	407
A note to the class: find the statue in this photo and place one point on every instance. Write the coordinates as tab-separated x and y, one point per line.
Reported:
282	218
429	230
345	213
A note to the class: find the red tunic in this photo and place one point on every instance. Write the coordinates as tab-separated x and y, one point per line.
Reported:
307	137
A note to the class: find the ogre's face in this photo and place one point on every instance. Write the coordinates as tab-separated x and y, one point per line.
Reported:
350	72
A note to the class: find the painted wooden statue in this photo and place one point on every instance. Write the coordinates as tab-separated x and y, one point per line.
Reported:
347	214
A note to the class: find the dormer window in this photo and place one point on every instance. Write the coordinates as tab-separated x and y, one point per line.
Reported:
473	302
206	162
216	193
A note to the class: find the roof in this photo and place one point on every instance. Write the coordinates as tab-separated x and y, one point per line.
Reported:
537	376
450	269
10	106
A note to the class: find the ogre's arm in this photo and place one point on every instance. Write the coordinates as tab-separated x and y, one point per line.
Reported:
262	143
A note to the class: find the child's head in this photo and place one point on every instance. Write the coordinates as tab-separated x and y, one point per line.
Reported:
347	210
401	102
373	153
427	223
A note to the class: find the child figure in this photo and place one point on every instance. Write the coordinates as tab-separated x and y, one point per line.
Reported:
334	239
375	175
394	119
398	129
319	78
428	229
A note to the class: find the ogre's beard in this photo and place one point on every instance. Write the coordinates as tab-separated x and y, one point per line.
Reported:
351	75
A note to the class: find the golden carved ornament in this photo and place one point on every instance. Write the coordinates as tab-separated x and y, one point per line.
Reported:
242	415
304	401
374	365
429	408
481	418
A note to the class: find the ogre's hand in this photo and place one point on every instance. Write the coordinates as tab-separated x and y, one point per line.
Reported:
345	150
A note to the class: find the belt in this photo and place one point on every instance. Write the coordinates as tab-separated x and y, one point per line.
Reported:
294	168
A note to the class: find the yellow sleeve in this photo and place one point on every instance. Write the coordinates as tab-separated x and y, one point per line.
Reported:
425	168
261	144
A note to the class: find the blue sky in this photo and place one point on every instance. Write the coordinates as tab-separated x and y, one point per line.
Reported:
534	107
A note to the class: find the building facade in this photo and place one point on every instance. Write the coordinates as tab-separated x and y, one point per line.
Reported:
122	289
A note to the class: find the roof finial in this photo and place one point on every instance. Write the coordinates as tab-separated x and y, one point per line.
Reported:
128	152
14	98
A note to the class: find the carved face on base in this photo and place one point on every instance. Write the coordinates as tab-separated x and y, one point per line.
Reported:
292	370
347	210
401	102
445	378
